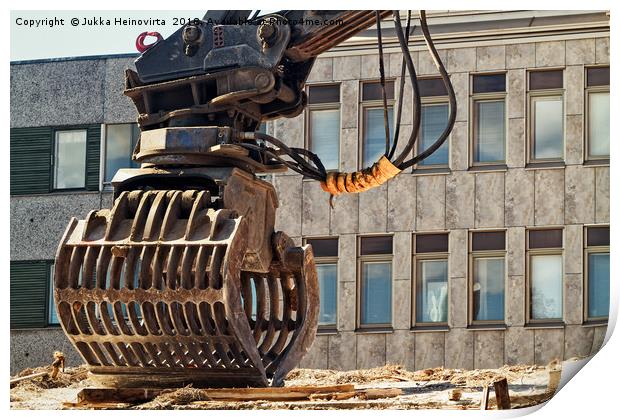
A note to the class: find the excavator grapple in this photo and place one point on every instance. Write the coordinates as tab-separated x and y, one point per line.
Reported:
178	286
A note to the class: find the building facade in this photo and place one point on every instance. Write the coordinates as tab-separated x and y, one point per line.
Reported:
493	251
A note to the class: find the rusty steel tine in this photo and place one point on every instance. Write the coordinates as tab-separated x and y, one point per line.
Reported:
142	212
87	353
172	266
171	216
113	354
88	268
261	305
117	310
66	317
163	349
93	320
128	355
136	324
175	315
273	317
155	217
197	214
129	273
215	275
145	276
116	268
103	263
187	261
96	349
154	353
162	318
191	316
107	321
75	267
117	215
140	353
276	349
207	354
150	319
204	314
200	271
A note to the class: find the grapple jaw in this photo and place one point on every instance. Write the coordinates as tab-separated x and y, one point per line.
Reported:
168	288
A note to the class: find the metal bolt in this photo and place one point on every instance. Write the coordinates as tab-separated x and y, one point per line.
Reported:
191	34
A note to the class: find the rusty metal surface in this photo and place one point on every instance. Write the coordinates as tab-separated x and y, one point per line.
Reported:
156	291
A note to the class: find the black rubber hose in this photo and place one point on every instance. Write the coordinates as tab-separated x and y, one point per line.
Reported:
401	92
451	97
386	123
416	95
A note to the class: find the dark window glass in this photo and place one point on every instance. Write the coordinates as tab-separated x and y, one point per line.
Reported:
323	94
372	91
485	83
598	236
598	76
436	242
376	245
548	238
487	241
432	87
324	247
550	79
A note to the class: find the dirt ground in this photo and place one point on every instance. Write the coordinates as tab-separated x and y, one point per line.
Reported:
430	388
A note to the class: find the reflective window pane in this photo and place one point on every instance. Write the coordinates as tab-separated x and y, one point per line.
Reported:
52	317
489	142
120	142
598	124
70	159
434	119
374	134
328	282
325	136
432	291
598	285
376	302
548	128
488	289
546	287
484	83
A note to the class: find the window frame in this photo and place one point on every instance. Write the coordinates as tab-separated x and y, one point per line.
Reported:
587	250
103	147
361	259
586	112
372	104
472	256
326	328
529	253
324	106
486	97
54	154
535	94
428	256
425	101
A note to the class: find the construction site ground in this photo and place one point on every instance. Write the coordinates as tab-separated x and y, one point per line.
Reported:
430	388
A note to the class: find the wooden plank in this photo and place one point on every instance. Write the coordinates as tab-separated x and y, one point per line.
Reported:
484	401
378	393
32	376
502	397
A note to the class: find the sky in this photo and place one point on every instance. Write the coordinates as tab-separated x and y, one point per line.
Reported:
40	34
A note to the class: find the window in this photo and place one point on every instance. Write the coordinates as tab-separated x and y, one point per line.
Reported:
70	159
489	119
545	274
324	124
433	121
546	114
120	141
597	273
487	279
373	127
326	259
431	279
375	285
597	109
